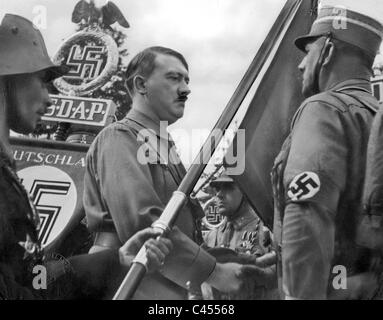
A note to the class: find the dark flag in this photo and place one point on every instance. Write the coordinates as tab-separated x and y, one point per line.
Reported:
267	121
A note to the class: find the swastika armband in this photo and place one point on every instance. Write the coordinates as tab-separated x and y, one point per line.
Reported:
304	186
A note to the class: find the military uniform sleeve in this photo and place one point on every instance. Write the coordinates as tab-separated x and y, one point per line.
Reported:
126	191
374	173
10	289
370	233
130	198
10	252
314	179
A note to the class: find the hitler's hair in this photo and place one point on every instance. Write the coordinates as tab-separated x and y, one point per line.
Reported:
143	64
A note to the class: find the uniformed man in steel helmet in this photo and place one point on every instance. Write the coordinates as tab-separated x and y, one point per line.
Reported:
25	71
318	176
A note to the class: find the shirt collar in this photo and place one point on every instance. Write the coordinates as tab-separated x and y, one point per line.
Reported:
353	84
245	216
148	122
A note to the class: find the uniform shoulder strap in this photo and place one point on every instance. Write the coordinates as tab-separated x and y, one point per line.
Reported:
369	101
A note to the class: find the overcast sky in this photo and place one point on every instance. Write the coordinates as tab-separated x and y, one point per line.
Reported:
219	38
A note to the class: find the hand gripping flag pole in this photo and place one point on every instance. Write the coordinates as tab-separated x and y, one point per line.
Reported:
166	221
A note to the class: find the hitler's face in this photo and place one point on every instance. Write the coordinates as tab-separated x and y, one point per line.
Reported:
308	67
167	88
228	198
30	100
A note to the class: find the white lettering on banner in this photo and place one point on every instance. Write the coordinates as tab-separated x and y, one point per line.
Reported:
66	106
51	108
29	154
60	159
86	111
96	108
79	110
50	158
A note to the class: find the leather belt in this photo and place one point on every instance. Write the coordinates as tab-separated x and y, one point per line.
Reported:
107	239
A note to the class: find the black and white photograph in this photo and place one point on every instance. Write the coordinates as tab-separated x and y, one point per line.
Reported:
209	150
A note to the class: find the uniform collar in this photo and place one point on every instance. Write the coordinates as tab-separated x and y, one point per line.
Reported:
6	158
148	122
353	84
245	215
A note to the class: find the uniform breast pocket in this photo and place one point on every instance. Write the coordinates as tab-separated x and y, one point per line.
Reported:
163	181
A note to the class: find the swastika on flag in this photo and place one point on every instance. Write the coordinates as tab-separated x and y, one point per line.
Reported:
304	186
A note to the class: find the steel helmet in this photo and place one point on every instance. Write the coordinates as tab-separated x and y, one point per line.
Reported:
23	50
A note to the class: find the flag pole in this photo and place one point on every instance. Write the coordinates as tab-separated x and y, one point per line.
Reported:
166	221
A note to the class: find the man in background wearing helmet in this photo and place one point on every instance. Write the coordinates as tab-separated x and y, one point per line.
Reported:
318	176
25	71
245	234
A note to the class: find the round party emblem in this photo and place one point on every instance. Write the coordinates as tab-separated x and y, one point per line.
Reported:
54	195
92	57
212	218
304	186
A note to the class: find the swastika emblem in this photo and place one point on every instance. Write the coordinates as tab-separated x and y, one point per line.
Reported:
86	64
212	216
92	56
304	186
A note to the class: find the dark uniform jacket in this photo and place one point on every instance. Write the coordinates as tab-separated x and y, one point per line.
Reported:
19	248
124	194
371	230
318	181
245	237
